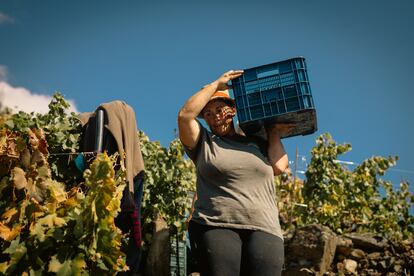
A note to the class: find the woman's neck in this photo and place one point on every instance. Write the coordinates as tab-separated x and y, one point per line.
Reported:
231	132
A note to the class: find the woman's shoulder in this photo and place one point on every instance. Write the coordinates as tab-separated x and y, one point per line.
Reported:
255	140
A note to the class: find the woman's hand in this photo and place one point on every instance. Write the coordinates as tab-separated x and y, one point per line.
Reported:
279	129
222	81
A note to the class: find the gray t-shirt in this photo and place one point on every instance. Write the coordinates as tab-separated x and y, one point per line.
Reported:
235	185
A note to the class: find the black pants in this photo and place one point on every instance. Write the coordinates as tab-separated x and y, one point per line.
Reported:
233	252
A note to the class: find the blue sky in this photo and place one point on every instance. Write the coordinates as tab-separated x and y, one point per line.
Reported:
155	54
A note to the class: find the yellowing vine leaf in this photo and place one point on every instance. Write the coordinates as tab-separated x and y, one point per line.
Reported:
57	191
54	264
42	145
37	189
41	226
19	178
25	158
51	220
16	250
68	267
7	215
71	201
3	142
33	140
37	157
115	203
3	267
9	234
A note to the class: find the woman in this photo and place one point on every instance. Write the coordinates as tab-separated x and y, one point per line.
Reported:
235	227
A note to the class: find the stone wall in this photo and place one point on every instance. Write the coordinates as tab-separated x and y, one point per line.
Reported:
316	250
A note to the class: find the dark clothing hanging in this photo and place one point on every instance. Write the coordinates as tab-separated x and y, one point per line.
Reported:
120	135
120	122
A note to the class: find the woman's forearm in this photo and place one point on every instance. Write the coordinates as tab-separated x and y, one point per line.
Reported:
195	104
276	153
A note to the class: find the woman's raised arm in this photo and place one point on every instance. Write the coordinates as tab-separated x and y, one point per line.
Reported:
188	127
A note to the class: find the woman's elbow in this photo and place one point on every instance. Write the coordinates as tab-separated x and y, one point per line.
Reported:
181	114
280	166
278	170
185	115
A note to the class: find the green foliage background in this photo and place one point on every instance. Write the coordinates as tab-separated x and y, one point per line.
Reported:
347	200
169	180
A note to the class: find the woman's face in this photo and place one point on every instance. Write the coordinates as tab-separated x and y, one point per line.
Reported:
219	117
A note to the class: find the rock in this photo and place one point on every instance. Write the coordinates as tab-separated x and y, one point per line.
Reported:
397	268
383	264
158	260
340	266
343	245
374	255
311	248
367	242
303	262
363	263
340	257
357	254
373	262
350	265
298	272
287	236
372	272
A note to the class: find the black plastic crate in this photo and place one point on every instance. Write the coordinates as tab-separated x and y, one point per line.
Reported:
178	257
276	92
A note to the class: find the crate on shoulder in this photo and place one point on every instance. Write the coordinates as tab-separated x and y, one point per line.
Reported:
275	93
